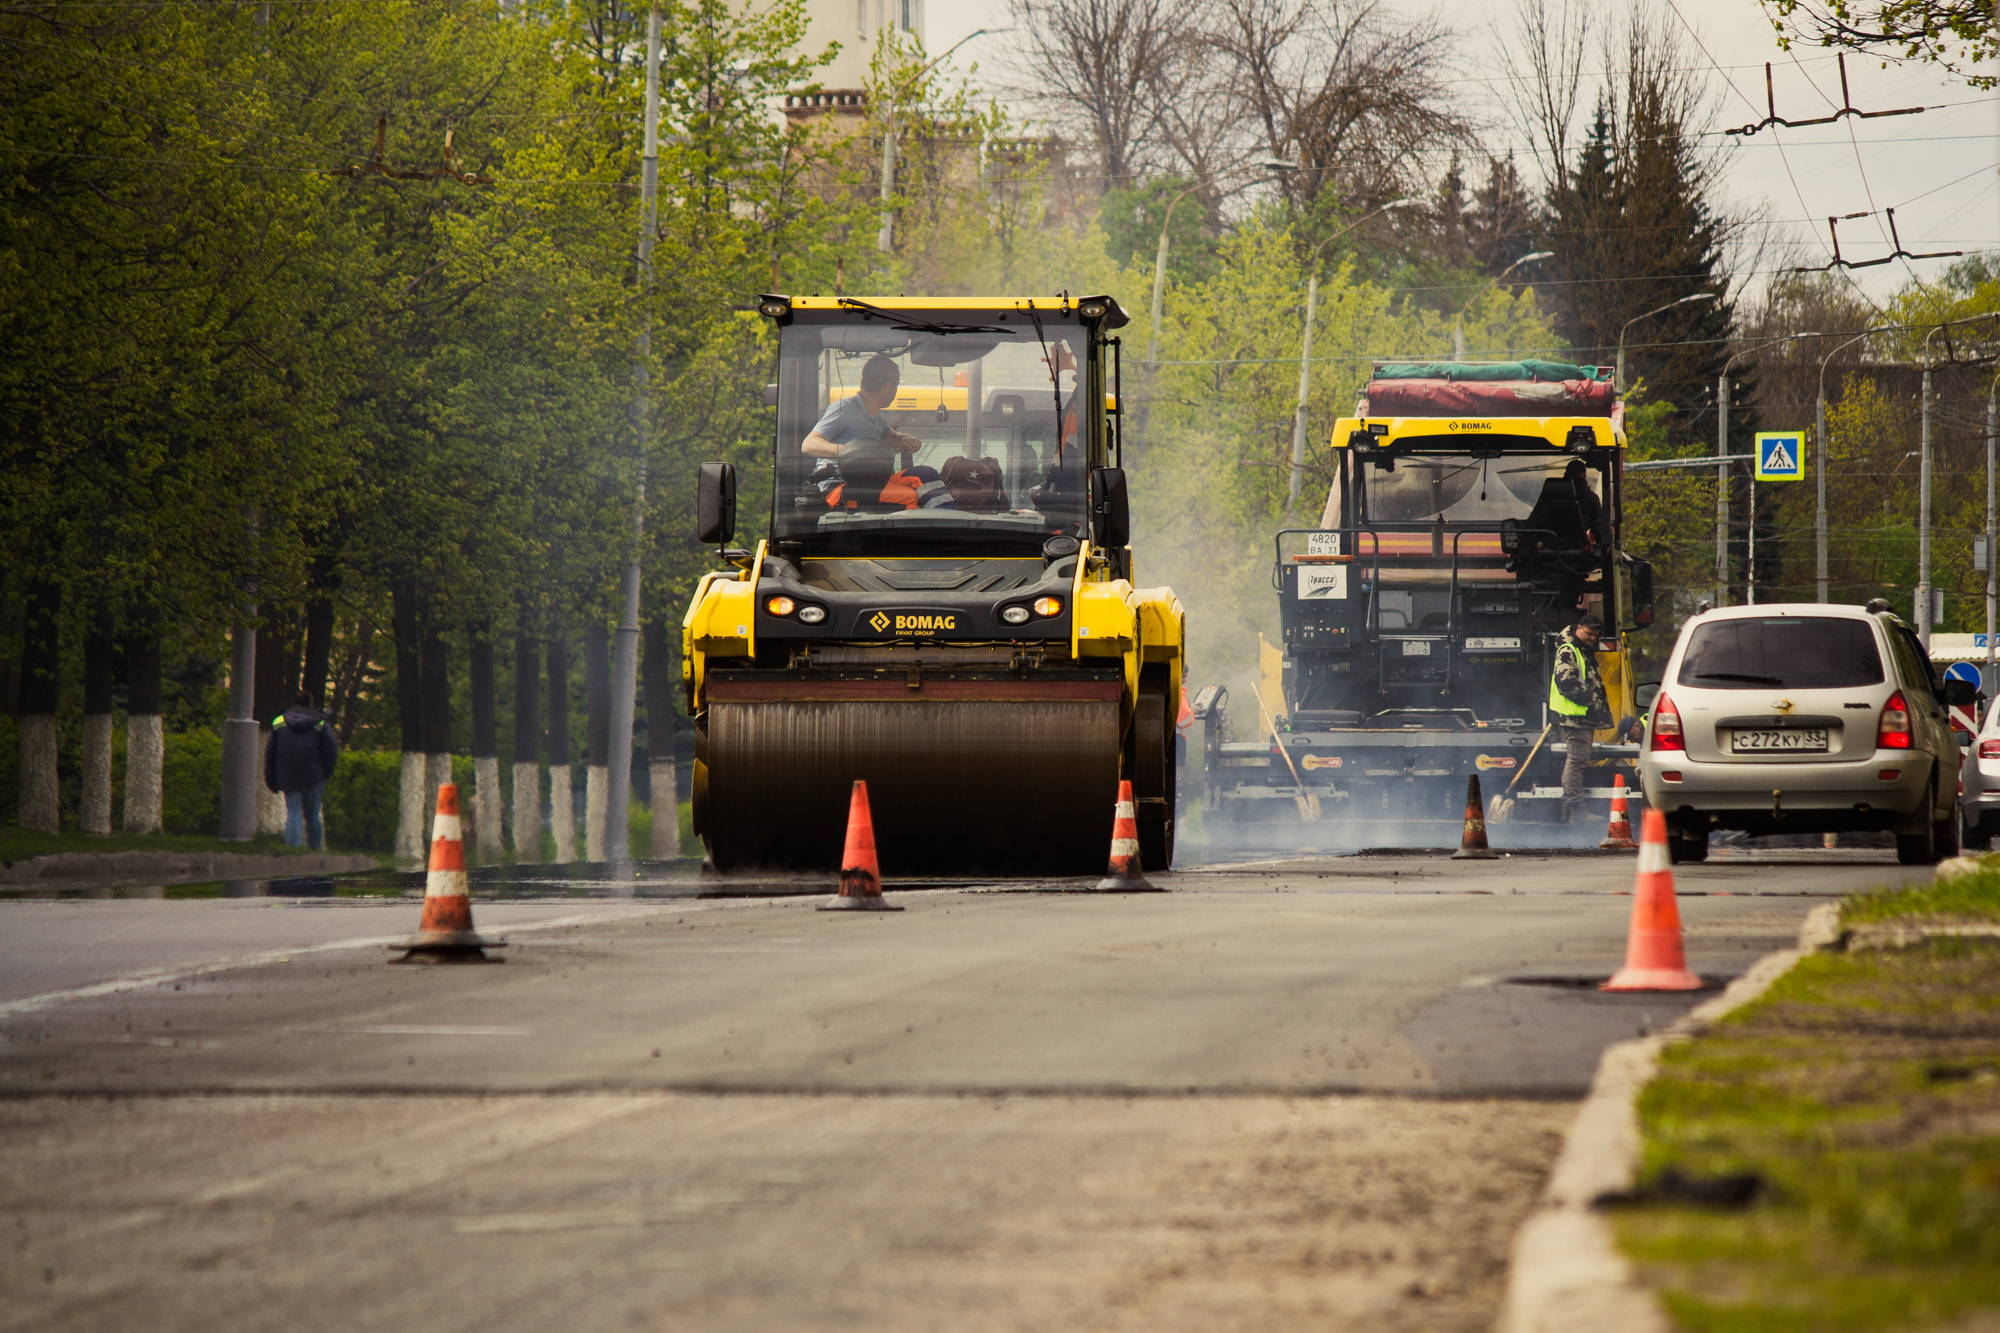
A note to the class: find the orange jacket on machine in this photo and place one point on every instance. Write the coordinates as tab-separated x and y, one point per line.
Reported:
904	488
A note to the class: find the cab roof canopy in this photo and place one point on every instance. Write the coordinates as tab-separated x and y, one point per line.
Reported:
1102	310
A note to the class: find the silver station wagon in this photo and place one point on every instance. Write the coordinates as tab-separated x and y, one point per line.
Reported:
1802	718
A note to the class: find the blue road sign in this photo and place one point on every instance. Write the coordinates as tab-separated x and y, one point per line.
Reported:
1963	671
1781	455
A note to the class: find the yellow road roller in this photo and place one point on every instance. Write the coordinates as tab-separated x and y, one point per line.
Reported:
944	605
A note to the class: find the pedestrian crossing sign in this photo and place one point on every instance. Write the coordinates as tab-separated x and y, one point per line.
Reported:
1780	455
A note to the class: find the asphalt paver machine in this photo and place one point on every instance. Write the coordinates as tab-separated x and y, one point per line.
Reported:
944	605
1420	616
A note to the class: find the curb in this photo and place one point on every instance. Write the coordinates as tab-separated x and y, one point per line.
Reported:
113	869
1565	1274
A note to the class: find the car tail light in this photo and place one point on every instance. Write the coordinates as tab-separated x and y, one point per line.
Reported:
1666	726
1989	749
1894	731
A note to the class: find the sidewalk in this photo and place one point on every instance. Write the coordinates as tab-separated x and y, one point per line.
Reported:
1828	1157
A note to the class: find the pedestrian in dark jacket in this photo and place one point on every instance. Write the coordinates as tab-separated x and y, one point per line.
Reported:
297	762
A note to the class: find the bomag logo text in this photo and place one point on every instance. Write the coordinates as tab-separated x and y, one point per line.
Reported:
912	622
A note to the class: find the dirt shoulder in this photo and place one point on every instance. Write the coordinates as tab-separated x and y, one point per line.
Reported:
1829	1157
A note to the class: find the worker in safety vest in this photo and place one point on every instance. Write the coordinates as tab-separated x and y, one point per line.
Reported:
1577	703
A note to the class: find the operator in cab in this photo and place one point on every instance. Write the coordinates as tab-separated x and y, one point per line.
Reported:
1577	703
853	433
853	426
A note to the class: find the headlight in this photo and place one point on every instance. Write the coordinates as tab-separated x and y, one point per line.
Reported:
774	309
1091	310
781	606
1014	615
812	615
1048	606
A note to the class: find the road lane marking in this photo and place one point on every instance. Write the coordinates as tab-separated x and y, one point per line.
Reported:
160	976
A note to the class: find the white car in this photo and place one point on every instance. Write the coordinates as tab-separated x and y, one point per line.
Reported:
1979	802
1802	718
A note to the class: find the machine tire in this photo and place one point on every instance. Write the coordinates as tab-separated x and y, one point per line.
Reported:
1920	849
1151	755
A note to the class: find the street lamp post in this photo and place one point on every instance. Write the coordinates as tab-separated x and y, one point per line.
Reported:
1274	164
1821	444
885	235
1923	598
1306	348
1685	300
1992	429
1722	482
1459	331
1722	448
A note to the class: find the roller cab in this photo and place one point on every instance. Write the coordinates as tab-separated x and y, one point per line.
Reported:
944	605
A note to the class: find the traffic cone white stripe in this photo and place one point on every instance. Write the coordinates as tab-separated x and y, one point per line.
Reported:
1125	810
1653	858
446	884
448	827
1124	846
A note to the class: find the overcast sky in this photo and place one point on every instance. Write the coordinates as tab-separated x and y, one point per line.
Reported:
1937	170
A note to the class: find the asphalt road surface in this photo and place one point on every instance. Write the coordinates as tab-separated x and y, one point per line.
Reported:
1315	1094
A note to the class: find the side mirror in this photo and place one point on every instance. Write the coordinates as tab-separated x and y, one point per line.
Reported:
1111	513
1960	693
1644	693
715	504
1642	593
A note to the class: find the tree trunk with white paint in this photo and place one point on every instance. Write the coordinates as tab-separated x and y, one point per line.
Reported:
596	786
412	814
663	681
488	802
94	810
41	655
562	813
145	736
527	813
145	772
597	698
93	814
41	810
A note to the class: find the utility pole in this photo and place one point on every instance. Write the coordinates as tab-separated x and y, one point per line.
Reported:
1992	430
1299	419
1923	599
1819	485
239	734
625	656
1722	489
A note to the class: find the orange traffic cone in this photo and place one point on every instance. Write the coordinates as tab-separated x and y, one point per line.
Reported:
860	875
1472	843
1654	958
1125	875
1618	838
446	935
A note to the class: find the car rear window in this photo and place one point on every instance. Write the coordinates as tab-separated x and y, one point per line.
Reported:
1784	653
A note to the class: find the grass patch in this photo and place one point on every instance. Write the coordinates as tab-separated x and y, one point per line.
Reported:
1973	897
1863	1091
19	844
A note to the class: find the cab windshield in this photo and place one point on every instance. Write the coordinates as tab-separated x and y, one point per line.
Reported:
955	429
1462	488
